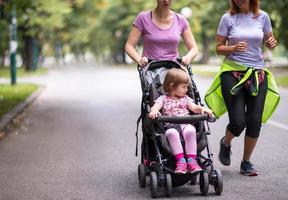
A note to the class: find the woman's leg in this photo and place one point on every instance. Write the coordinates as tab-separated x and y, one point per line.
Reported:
255	106
235	106
236	111
249	145
228	137
246	167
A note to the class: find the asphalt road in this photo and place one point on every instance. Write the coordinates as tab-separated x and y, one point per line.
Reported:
77	143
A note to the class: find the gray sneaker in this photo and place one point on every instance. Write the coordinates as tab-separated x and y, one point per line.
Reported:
247	168
224	154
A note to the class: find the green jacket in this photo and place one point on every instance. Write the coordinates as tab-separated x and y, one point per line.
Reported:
214	98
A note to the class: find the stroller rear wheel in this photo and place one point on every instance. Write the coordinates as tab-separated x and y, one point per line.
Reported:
142	175
204	183
218	183
193	180
168	185
153	184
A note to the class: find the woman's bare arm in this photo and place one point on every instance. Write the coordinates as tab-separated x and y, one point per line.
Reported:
191	46
130	47
223	49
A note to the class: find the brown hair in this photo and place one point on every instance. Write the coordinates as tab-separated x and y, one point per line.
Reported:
173	78
254	7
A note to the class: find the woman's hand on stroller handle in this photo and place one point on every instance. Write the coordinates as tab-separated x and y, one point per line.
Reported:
143	61
185	60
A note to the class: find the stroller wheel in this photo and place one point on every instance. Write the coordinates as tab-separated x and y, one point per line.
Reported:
193	180
168	185
153	184
218	183
142	175
204	183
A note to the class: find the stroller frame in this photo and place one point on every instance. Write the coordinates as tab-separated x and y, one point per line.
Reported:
160	175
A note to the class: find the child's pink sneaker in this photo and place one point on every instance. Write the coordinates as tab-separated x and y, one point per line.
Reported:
181	167
192	166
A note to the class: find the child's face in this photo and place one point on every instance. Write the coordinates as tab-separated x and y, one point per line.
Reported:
181	90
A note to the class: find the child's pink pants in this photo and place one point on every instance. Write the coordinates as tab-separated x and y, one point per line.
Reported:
189	135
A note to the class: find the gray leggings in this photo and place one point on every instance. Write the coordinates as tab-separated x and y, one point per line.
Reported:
244	111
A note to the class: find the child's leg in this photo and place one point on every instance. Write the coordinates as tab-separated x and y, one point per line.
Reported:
176	146
190	138
174	141
189	135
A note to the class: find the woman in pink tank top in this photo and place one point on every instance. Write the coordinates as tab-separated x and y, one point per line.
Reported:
161	30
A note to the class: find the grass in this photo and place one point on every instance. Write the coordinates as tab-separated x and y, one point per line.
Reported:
204	73
5	72
11	96
282	81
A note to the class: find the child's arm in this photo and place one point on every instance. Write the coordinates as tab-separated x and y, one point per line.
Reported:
155	110
199	109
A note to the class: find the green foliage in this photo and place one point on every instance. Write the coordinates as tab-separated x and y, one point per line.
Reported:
43	16
277	10
116	26
5	72
80	24
11	96
102	26
282	81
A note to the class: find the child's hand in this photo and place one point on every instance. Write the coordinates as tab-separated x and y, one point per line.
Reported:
208	111
153	114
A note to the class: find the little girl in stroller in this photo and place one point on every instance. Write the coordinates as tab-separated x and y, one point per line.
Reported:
164	159
177	103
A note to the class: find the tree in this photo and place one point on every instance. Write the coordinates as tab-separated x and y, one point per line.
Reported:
38	23
277	10
80	24
102	26
118	26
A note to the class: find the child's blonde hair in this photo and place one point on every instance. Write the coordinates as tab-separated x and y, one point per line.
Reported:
173	78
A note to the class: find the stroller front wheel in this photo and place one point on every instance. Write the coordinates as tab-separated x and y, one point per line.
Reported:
142	175
218	184
168	185
153	184
193	180
204	183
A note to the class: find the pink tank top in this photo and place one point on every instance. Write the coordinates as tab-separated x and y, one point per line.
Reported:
159	43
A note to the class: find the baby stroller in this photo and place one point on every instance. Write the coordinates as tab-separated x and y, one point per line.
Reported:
157	160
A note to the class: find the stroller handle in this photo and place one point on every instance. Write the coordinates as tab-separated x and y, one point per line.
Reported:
186	119
179	59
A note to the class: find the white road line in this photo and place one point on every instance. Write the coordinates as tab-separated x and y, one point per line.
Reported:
278	125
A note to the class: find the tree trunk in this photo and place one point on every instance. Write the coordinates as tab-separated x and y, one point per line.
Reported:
28	53
31	53
206	54
4	56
